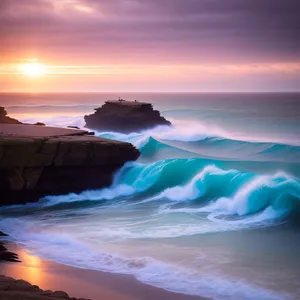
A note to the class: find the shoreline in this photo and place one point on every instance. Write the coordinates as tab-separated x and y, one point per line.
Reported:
82	283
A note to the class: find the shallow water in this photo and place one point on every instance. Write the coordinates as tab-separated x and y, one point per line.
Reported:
211	208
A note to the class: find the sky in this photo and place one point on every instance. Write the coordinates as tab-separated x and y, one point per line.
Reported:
149	45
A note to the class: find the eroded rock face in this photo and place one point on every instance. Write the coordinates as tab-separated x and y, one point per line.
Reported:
34	166
125	116
6	119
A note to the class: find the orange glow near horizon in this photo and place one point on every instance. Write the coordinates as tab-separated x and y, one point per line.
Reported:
33	68
37	75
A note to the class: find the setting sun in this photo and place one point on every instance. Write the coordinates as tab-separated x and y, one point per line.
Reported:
32	69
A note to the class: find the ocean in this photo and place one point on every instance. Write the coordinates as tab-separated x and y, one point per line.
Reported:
211	208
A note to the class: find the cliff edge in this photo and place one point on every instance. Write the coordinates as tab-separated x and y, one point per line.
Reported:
36	161
125	116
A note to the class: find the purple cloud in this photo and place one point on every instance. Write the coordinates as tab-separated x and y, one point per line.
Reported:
160	31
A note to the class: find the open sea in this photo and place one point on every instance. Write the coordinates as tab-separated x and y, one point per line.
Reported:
211	208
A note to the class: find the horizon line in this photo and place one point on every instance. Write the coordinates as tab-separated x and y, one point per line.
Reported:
151	92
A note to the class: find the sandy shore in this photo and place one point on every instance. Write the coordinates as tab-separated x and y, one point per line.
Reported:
82	283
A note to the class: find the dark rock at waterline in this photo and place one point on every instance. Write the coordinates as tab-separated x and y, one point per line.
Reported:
125	116
6	255
40	124
36	161
4	118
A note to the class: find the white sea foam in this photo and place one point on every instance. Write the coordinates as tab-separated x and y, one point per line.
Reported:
92	195
173	277
60	121
258	193
187	133
193	189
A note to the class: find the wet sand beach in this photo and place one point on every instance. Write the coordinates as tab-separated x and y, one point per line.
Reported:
80	283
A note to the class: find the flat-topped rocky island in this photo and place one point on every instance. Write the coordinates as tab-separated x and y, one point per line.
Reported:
125	116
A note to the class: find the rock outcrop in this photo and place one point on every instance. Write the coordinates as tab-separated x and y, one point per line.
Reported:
6	255
12	289
38	160
125	116
6	119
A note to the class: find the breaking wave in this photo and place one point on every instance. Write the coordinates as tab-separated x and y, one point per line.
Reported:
196	141
223	194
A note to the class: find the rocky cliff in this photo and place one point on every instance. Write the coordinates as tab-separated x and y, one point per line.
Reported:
125	116
36	161
5	119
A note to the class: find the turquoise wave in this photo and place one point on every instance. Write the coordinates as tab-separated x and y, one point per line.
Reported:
190	186
262	158
226	149
192	141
